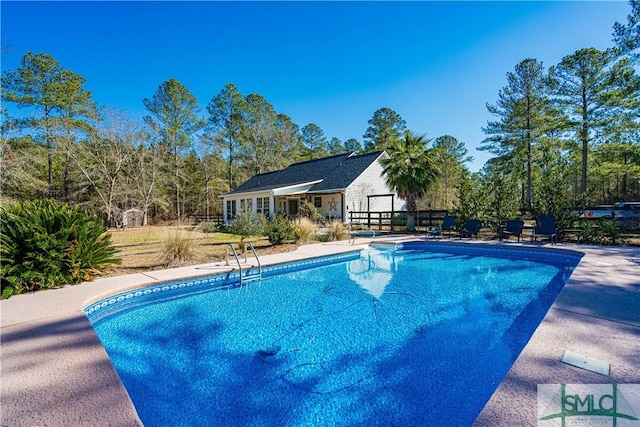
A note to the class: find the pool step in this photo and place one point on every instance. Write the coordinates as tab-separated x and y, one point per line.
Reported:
250	276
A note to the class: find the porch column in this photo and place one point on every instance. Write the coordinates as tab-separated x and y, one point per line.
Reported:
224	211
272	206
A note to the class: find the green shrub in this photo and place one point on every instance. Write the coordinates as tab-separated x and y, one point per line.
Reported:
177	249
45	244
278	229
245	224
305	230
308	210
399	219
207	227
603	232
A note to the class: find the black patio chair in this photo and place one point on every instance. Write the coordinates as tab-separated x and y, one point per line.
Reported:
471	228
513	227
545	227
448	225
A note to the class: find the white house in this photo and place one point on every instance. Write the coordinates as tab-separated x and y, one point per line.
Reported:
336	185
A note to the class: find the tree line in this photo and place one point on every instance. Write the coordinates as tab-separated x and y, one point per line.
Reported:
561	136
171	164
571	132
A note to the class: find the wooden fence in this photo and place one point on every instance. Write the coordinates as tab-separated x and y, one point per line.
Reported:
397	220
218	220
384	220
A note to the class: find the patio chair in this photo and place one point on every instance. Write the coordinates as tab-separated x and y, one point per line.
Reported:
448	225
471	228
545	227
512	228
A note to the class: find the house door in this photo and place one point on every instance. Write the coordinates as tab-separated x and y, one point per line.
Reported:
293	207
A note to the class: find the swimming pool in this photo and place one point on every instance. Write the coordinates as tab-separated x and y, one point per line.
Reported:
408	335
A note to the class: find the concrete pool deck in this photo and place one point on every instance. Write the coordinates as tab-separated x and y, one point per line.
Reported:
55	372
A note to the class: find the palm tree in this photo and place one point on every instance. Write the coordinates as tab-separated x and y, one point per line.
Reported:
410	170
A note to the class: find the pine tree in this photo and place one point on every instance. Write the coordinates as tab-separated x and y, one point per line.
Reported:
174	115
385	127
525	115
600	96
53	95
226	112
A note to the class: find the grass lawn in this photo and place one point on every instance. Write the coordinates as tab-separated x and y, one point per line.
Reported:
141	248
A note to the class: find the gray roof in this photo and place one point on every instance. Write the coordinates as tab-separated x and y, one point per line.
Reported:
334	172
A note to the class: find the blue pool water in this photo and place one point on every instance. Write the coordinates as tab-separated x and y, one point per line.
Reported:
388	336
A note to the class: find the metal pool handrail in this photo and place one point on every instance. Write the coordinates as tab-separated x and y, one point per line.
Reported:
235	254
255	254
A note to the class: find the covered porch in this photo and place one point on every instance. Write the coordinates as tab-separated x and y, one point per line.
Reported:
329	205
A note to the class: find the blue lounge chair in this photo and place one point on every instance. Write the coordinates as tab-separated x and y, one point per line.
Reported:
513	228
448	225
545	227
471	228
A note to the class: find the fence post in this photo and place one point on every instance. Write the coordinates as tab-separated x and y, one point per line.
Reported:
391	219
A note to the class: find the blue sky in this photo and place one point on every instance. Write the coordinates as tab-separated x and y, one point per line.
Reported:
330	63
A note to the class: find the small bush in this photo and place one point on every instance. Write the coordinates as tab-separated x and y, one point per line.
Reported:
337	230
399	219
305	230
177	249
207	227
245	224
604	232
45	244
278	229
308	210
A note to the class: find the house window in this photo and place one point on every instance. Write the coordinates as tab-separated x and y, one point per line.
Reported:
246	205
262	205
293	207
231	209
317	202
